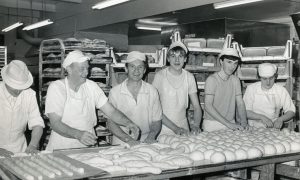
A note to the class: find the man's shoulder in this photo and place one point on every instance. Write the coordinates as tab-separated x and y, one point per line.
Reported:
254	85
116	88
57	83
149	86
212	77
161	72
29	92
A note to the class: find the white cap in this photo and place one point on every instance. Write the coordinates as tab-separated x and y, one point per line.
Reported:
135	55
16	75
75	56
267	70
229	52
178	44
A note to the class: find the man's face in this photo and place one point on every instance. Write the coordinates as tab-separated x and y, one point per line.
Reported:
79	71
267	82
229	66
12	91
176	59
136	70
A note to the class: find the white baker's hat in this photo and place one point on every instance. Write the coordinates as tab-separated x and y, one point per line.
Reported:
229	52
75	56
135	55
267	70
178	44
16	75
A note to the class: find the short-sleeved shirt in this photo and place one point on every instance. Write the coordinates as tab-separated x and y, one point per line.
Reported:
143	111
15	114
225	93
274	99
57	96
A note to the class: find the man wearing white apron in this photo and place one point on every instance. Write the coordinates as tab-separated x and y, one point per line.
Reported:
18	108
223	96
71	104
175	87
138	100
265	99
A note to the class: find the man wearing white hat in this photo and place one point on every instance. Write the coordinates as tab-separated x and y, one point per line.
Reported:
223	96
18	108
138	100
71	103
265	99
176	87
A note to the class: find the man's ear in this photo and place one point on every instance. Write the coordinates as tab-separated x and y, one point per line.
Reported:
69	70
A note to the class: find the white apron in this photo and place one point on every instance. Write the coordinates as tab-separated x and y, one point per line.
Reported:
13	121
79	113
174	103
265	103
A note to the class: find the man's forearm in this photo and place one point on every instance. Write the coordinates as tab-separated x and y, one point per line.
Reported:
242	114
65	130
287	116
118	132
197	117
36	135
254	116
155	128
167	122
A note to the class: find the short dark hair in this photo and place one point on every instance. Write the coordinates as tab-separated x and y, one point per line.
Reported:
177	48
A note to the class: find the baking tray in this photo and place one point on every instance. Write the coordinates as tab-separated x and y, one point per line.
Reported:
89	171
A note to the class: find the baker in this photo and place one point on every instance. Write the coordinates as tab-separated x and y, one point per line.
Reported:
71	104
138	100
18	109
265	99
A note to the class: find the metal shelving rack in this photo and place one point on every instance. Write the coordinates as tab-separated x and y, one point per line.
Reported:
3	58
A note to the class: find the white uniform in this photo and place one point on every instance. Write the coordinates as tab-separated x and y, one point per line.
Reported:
175	100
268	103
77	110
143	112
15	114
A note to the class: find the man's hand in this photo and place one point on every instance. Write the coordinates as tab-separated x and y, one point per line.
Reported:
133	143
267	122
195	130
246	126
88	138
5	153
134	130
234	126
150	140
181	131
278	123
31	149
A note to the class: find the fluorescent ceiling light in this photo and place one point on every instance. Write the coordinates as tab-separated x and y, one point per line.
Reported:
11	27
38	24
233	3
161	23
108	3
147	27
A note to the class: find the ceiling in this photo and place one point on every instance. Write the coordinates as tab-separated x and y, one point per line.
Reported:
79	15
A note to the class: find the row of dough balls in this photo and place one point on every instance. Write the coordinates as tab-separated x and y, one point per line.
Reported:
228	145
